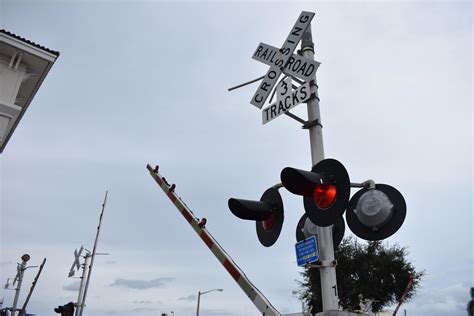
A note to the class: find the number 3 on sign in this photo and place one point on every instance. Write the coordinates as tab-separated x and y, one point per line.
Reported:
284	89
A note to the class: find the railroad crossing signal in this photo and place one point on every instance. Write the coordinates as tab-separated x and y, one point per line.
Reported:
280	59
325	190
76	264
297	66
267	214
374	213
65	310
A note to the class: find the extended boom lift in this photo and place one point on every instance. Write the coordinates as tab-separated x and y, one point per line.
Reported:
257	298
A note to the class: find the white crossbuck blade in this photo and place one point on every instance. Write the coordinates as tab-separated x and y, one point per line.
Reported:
286	51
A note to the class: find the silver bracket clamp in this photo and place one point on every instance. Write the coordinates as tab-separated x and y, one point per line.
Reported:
322	263
308	125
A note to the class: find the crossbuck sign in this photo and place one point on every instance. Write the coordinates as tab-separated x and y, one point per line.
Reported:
280	59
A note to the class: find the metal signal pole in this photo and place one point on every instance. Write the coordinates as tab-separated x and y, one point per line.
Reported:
326	248
85	269
93	255
23	309
21	270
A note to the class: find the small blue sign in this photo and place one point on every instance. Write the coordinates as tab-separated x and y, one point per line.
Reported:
307	251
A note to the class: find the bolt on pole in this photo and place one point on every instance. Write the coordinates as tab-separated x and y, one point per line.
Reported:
326	251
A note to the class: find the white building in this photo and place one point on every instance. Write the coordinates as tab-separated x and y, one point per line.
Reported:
23	67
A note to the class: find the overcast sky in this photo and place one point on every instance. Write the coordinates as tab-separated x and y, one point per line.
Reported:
142	82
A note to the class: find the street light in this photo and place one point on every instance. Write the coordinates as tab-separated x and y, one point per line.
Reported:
199	298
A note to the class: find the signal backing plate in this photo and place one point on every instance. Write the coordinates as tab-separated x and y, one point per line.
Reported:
338	230
398	216
334	173
268	238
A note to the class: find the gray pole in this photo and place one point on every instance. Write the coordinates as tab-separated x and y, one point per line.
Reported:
199	298
326	248
21	270
81	286
93	255
33	285
202	293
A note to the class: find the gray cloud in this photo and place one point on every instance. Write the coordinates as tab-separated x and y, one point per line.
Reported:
111	262
219	312
191	297
143	309
145	302
6	262
444	301
73	287
142	284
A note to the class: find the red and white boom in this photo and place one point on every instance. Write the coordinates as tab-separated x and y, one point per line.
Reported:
257	298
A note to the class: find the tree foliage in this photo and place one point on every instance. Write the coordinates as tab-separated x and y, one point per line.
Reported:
375	270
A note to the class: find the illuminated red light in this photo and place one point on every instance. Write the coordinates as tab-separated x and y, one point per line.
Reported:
324	195
268	222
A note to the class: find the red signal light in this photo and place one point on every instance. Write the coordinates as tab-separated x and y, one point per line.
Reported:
324	195
268	222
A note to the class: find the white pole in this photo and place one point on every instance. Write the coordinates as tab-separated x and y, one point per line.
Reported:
81	286
93	255
21	270
326	248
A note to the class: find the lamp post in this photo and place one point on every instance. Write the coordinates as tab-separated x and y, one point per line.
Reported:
21	267
202	293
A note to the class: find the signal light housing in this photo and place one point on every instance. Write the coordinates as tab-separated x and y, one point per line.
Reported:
306	228
65	310
376	214
325	190
267	214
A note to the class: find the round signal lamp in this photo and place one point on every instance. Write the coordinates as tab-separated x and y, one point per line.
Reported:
268	222
324	195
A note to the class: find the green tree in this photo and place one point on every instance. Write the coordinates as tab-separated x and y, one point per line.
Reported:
375	270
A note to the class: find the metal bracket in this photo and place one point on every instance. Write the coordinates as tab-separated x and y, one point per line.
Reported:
322	263
310	47
308	125
172	187
246	83
369	184
277	186
288	113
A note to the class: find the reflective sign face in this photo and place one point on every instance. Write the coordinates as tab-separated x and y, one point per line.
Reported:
302	94
282	57
297	66
306	251
284	89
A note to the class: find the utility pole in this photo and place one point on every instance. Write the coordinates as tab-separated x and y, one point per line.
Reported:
33	285
326	251
85	268
93	255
